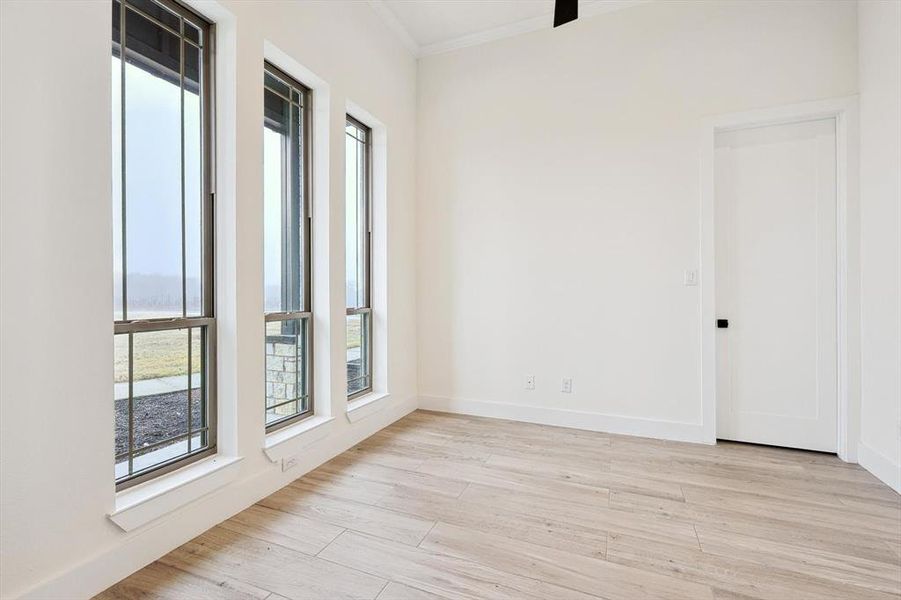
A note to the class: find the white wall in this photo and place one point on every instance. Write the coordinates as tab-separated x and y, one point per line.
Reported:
56	418
559	202
880	199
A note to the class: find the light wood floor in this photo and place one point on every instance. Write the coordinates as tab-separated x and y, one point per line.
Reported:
440	506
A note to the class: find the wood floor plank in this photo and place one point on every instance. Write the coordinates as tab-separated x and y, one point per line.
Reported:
781	484
887	508
435	448
399	591
341	484
390	457
439	573
600	517
502	520
895	546
285	529
351	515
446	507
603	578
158	581
733	574
841	568
766	526
594	473
393	477
220	552
798	510
517	481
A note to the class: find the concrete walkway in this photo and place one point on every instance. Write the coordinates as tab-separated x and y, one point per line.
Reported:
160	385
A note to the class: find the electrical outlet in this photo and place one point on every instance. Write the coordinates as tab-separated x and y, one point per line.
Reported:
289	463
530	382
567	387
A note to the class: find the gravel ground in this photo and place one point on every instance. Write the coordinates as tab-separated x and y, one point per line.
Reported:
164	416
156	418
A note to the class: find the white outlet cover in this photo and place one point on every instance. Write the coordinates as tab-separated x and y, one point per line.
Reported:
567	387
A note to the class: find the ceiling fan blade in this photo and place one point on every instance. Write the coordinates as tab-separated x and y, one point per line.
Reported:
565	11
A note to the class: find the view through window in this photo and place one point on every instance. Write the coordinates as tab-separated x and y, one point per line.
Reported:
287	227
162	209
358	240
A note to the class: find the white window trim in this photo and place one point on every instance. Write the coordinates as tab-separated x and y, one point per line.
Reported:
141	504
362	407
367	404
290	440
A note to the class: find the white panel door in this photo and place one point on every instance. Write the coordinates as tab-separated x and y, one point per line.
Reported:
776	285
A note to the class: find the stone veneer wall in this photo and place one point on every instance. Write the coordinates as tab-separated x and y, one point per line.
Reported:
281	372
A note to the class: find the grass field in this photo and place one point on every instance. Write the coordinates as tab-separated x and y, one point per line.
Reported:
158	354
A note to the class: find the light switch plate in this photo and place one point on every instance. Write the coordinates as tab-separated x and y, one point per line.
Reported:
690	277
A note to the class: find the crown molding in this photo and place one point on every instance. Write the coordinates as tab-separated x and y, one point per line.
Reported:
546	21
390	19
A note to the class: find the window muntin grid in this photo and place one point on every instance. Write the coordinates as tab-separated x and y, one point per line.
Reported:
358	251
287	249
164	392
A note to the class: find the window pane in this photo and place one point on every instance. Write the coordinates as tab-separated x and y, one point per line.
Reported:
358	361
283	197
160	385
198	368
152	170
287	382
276	84
294	216
192	33
158	12
355	227
160	180
120	387
158	410
193	182
275	146
117	167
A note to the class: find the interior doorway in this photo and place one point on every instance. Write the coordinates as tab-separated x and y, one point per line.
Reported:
776	284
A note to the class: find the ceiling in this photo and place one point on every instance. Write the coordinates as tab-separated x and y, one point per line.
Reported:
434	26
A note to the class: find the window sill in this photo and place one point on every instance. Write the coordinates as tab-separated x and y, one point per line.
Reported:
362	407
147	502
290	440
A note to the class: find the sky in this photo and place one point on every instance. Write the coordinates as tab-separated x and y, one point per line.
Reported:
153	178
153	186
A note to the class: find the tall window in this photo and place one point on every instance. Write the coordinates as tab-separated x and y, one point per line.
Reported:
286	219
163	255
358	251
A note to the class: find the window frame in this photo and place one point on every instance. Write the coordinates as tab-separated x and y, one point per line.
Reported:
305	314
206	322
366	309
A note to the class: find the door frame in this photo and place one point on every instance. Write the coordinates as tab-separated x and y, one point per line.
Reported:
845	112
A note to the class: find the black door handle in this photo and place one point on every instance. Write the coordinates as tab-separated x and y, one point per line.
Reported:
722	323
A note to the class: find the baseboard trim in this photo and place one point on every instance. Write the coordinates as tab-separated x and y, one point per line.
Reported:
650	428
886	470
98	572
